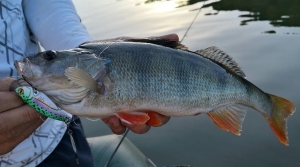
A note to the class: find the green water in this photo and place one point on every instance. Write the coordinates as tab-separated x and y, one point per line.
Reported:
263	36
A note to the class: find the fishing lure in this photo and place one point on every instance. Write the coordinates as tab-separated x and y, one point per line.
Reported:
42	104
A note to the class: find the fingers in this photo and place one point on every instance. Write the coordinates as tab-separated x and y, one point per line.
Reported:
18	116
15	132
9	140
17	121
164	119
9	100
115	125
172	37
119	127
5	83
139	129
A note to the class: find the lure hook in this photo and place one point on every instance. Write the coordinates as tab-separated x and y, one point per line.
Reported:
26	80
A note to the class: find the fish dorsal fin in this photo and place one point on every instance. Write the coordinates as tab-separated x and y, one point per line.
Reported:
156	41
229	118
159	41
218	56
81	78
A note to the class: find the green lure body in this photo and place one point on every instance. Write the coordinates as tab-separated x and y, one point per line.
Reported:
42	104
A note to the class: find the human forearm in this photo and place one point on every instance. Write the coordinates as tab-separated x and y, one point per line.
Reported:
55	23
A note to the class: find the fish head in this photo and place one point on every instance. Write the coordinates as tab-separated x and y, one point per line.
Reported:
46	70
51	62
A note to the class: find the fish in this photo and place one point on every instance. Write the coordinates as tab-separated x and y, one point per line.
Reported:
138	79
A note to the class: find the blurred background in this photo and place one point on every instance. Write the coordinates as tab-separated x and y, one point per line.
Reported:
263	36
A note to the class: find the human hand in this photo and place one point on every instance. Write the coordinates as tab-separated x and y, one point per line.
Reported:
119	127
17	120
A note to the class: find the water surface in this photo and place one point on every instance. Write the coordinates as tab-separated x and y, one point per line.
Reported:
263	36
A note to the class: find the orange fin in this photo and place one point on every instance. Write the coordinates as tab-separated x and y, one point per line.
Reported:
136	118
282	109
229	118
155	119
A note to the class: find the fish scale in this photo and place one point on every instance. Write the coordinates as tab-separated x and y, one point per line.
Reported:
137	80
177	70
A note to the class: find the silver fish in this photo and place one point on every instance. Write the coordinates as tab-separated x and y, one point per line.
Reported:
136	79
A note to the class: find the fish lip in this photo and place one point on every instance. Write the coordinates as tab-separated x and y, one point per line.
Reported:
23	66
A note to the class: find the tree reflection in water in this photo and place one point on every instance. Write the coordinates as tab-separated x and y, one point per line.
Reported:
278	12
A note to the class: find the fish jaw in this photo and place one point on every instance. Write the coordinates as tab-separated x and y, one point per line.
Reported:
26	68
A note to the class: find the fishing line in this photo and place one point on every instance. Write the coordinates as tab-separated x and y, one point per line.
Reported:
110	45
90	119
26	80
116	149
192	22
127	130
101	53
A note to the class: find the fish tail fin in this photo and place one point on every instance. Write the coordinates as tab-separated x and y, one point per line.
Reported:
282	109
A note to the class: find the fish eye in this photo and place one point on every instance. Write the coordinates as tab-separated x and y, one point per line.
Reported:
49	55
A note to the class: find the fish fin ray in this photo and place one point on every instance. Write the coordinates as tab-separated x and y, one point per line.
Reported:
67	96
282	109
158	41
152	40
154	119
81	78
136	118
220	57
229	118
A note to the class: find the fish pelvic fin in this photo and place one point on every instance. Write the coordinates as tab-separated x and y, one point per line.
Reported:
229	118
134	117
154	118
282	109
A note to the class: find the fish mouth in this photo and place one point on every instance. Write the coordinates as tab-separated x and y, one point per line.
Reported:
24	67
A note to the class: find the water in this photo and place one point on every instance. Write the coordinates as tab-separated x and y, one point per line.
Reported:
263	36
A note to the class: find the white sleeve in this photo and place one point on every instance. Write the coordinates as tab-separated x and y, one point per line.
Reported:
55	23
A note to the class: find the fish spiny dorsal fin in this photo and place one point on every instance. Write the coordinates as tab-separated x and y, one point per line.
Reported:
81	78
229	118
159	41
218	56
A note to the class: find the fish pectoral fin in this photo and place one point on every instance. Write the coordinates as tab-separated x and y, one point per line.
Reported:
155	118
81	78
136	118
220	57
229	118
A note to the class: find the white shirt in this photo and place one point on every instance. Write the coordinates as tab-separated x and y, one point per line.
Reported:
57	26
